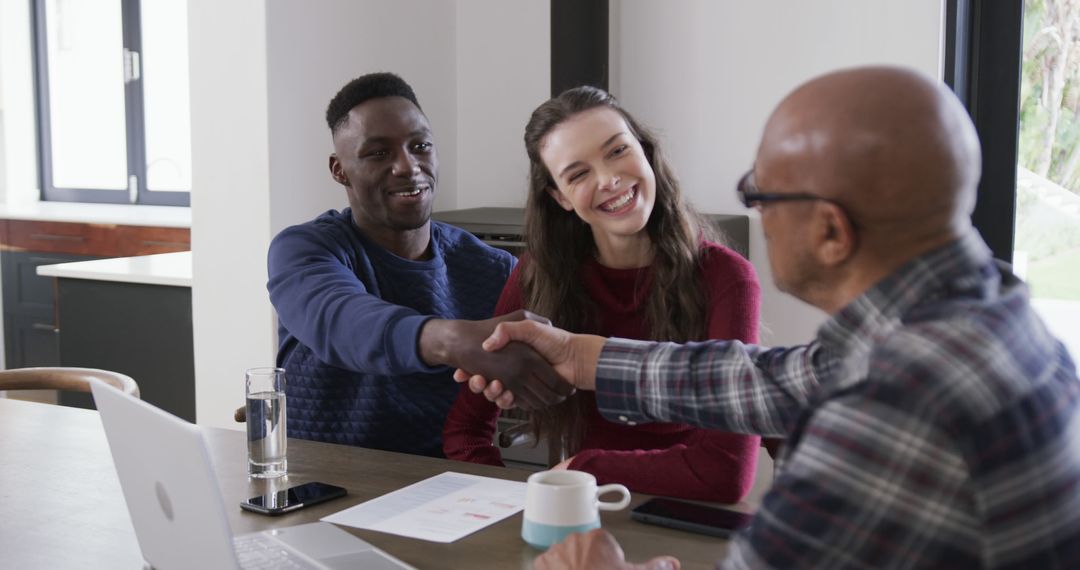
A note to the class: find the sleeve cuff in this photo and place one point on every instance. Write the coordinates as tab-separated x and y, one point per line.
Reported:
403	346
619	372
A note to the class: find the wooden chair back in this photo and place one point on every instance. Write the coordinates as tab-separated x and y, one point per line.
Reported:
64	378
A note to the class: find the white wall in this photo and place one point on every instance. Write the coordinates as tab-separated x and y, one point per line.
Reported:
707	74
477	81
19	131
3	154
503	73
312	52
230	201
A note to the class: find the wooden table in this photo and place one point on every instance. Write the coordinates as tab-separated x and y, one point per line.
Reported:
61	504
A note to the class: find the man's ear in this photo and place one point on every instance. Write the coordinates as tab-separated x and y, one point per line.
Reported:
337	172
836	235
560	199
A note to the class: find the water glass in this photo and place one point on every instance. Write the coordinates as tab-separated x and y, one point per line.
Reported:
265	390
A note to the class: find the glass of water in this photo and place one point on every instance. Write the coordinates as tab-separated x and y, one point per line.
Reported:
265	389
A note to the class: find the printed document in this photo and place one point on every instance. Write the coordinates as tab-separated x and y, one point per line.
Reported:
442	508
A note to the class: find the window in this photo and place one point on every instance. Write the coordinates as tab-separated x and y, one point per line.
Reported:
1016	64
113	101
1047	250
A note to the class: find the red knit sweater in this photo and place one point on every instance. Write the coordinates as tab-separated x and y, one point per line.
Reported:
661	459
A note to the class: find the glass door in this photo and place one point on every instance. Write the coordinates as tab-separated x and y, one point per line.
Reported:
1047	239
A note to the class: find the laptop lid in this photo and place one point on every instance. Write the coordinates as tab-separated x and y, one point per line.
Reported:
168	483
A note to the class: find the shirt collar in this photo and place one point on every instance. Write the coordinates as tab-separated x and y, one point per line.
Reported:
386	256
961	265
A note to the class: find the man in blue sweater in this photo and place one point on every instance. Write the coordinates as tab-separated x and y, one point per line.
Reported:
369	298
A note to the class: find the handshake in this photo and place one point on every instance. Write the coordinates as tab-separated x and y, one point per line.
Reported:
516	360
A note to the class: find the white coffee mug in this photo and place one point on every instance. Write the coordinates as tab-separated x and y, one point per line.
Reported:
560	503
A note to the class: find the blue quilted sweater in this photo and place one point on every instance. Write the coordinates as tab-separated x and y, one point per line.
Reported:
350	314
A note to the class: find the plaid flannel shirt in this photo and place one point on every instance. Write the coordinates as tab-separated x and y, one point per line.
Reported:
932	423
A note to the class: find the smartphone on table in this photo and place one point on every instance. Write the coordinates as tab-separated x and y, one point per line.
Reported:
692	517
293	498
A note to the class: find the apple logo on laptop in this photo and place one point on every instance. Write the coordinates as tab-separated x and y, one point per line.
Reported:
163	500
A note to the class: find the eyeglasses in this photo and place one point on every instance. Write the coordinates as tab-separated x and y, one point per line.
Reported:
751	196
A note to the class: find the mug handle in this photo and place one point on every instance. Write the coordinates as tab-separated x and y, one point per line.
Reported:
617	505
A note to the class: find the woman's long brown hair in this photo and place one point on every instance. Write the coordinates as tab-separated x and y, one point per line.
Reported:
559	243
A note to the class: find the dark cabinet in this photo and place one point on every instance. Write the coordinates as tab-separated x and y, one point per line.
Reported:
31	322
137	329
30	327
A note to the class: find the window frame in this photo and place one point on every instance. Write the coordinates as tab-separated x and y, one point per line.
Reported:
137	193
982	64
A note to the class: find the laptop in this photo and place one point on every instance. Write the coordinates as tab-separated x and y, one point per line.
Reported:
177	509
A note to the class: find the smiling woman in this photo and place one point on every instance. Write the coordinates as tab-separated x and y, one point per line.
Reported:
613	249
605	179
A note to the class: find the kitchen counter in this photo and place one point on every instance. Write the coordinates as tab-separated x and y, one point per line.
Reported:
118	214
161	269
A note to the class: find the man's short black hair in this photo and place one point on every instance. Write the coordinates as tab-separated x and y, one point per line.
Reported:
363	88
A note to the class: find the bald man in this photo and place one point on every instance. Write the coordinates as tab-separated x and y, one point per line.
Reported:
933	422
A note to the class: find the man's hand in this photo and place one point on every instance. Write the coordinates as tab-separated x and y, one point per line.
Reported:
457	343
493	390
574	357
597	550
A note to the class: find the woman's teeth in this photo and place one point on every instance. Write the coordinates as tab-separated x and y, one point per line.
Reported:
619	203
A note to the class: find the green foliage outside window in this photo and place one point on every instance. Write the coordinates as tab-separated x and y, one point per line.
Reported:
1048	185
